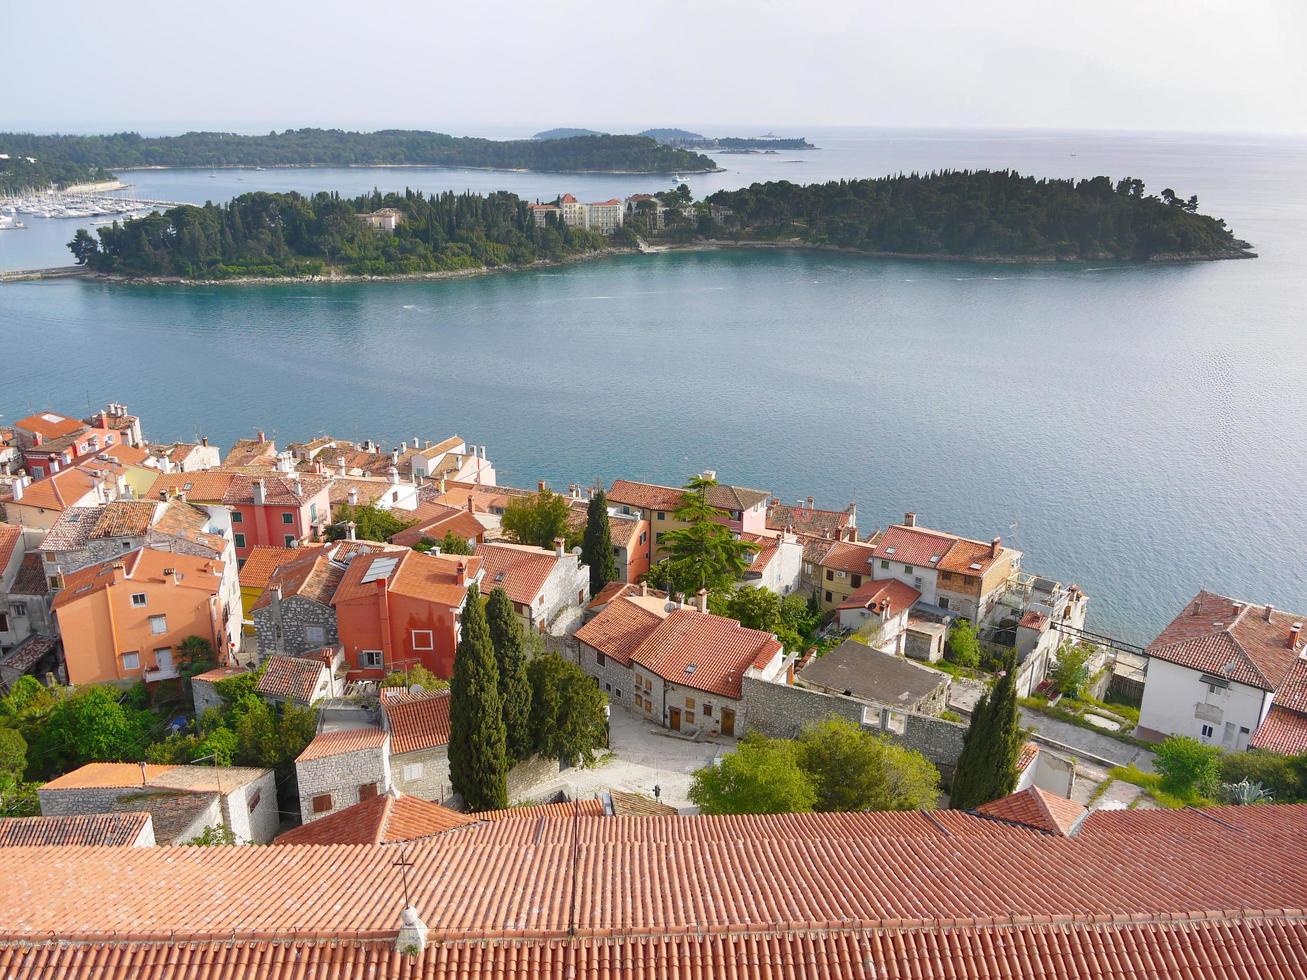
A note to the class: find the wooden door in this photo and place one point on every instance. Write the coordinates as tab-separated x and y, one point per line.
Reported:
728	721
674	719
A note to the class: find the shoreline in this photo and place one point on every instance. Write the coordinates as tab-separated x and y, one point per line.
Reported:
710	245
406	166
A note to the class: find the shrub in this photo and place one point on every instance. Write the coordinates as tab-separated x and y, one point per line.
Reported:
963	645
1188	767
1071	671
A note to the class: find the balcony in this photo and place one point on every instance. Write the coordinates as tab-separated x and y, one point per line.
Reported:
167	672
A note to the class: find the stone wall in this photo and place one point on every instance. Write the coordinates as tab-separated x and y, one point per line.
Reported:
72	802
433	783
282	626
526	775
612	677
251	810
341	776
568	581
205	696
781	711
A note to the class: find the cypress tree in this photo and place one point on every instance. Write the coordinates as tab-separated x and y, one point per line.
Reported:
478	756
514	688
987	767
597	546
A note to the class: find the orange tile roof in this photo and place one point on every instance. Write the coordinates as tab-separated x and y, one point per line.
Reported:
314	575
207	486
652	496
108	775
417	722
1029	753
849	556
435	521
127	455
425	577
619	630
806	520
881	594
520	570
706	652
121	518
60	490
1038	808
637	804
262	562
89	830
913	546
341	742
144	565
10	537
592	807
1282	731
385	819
291	678
50	425
1248	644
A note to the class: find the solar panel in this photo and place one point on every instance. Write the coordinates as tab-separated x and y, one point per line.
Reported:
381	568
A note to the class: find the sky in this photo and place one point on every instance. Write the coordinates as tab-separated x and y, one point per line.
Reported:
510	67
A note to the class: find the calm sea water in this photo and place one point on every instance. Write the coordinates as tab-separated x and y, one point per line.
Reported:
1142	431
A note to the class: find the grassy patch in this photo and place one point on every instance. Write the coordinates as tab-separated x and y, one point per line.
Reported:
951	716
1100	789
1151	783
955	670
1042	706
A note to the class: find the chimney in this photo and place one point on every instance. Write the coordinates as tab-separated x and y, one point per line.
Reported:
17	489
1236	609
1270	611
1295	633
262	438
163	495
469	501
435	551
560	547
258	491
353	496
644	588
460	572
296	485
412	937
340	465
403	446
910	519
710	474
417	444
393	473
702	601
994	546
394	457
542	486
351	531
441	485
811	501
204	441
853	515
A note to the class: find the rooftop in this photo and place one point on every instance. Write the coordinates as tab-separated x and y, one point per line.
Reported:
706	652
387	818
882	596
619	630
1037	808
857	670
429	578
652	496
342	741
140	567
88	830
290	678
417	721
262	562
520	570
173	812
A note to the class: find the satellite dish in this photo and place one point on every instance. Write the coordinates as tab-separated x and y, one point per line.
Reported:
416	689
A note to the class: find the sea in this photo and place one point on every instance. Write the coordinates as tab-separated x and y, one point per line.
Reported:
1138	430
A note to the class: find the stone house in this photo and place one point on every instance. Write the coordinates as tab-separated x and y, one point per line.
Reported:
777	565
204	692
183	800
294	615
303	680
879	610
744	510
418	725
548	588
858	671
340	768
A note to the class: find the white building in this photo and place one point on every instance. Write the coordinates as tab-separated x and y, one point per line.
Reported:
1230	674
604	217
548	589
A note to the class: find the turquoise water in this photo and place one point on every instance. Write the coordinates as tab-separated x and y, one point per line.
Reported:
1144	429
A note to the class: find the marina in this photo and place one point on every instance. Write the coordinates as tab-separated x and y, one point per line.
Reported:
49	203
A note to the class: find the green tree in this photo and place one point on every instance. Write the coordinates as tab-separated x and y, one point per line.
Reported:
510	659
13	756
1071	672
568	716
597	545
218	836
417	674
539	519
450	544
1188	767
987	767
762	775
478	752
371	523
84	247
703	554
1284	776
90	725
963	644
853	770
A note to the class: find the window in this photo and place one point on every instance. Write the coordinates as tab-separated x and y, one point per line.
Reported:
689	717
158	625
370	658
828	596
830	575
412	771
367	791
240	563
322	803
424	640
884	563
18	608
287	517
600	659
254	800
907	569
943	602
707	710
689	704
648	706
138	598
313	510
236	517
607	687
856	581
662	516
648	685
239	539
618	692
1207	731
131	661
658	537
316	635
896	722
4	622
289	540
54	582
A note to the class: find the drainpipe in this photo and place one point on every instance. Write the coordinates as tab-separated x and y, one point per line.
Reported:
383	614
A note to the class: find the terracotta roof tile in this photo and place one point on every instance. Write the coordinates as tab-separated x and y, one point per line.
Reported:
263	561
706	652
652	496
11	536
620	629
880	595
637	804
123	518
107	775
144	565
520	570
848	556
63	489
290	678
341	742
806	520
592	807
50	425
1029	753
30	579
1282	731
913	546
409	573
417	722
89	830
1038	808
385	819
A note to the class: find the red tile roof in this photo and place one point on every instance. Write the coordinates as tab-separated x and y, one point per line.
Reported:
417	722
1248	644
385	819
417	576
913	546
61	490
1033	619
340	742
592	807
849	556
876	594
314	574
50	425
10	536
1029	753
90	830
1038	808
619	630
806	520
108	775
144	565
520	570
1282	731
652	496
290	678
706	652
262	562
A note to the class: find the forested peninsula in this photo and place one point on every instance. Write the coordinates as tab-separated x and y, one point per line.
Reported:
981	215
965	214
338	148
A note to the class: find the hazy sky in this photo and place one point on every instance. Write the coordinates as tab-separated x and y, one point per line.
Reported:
519	65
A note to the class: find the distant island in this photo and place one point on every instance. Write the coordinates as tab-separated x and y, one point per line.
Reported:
70	159
686	140
667	135
563	133
977	215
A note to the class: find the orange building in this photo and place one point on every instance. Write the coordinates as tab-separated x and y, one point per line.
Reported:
395	610
122	620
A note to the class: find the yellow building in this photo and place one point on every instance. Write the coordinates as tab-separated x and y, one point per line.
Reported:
254	575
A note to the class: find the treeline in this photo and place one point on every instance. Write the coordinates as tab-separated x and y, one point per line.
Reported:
273	235
981	214
19	174
338	148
